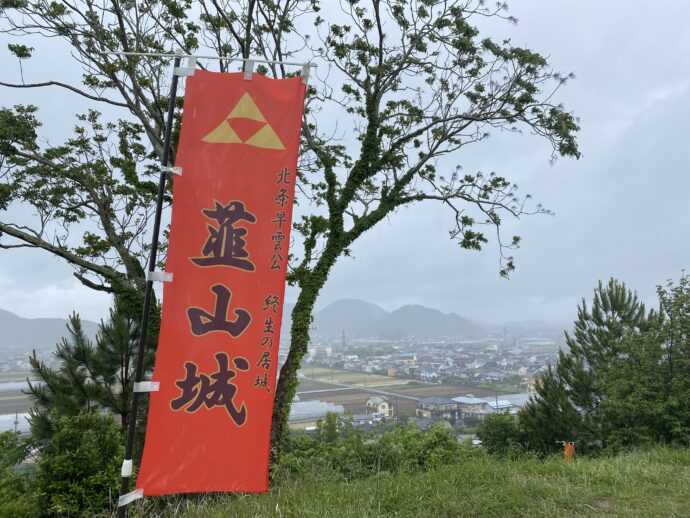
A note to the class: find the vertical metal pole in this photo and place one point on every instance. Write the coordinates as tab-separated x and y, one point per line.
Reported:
143	331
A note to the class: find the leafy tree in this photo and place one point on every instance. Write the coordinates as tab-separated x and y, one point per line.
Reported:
78	471
501	433
16	498
634	406
89	376
648	388
413	82
332	427
675	342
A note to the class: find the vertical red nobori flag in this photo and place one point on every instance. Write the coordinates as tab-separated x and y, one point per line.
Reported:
209	424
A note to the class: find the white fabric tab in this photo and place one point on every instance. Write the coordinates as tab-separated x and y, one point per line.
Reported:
188	70
147	386
248	69
130	497
305	73
172	170
159	276
126	468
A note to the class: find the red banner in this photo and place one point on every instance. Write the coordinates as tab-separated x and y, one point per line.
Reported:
209	424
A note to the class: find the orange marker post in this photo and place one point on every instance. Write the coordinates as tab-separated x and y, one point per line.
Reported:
568	451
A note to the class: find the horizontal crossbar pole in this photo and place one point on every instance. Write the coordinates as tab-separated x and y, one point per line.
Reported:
220	58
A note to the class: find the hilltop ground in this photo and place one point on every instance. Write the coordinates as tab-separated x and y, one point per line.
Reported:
644	484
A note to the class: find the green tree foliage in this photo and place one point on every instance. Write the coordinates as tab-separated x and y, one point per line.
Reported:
412	83
333	428
648	388
633	406
78	472
569	396
550	416
345	451
89	376
16	498
675	342
501	433
625	380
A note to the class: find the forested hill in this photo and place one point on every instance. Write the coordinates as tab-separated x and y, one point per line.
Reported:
38	333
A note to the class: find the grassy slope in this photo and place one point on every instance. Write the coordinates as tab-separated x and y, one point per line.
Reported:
655	483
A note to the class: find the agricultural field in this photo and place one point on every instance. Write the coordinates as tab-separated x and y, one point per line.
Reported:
351	389
14	403
353	378
12	400
308	385
15	376
449	391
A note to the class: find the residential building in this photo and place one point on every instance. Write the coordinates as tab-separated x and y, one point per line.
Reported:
437	407
379	405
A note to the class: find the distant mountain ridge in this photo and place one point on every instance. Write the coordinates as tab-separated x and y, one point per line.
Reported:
39	333
353	316
364	319
349	315
420	321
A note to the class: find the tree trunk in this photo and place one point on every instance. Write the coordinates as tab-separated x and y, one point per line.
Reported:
310	284
287	382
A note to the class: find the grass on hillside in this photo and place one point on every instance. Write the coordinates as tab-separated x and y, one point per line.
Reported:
643	484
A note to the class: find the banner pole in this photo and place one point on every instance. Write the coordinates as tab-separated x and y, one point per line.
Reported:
143	331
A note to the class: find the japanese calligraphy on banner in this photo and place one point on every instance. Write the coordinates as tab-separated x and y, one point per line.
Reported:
209	424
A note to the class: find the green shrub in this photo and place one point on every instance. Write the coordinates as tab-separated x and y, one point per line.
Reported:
16	498
339	448
501	434
78	469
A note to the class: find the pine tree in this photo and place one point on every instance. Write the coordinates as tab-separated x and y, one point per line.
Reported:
550	417
598	339
579	380
89	376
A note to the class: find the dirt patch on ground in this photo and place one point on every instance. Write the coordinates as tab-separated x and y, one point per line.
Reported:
603	503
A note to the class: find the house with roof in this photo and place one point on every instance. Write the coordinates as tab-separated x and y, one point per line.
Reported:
468	405
480	407
491	376
437	407
379	405
428	374
502	405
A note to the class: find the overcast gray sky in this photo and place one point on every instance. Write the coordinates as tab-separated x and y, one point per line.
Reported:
620	211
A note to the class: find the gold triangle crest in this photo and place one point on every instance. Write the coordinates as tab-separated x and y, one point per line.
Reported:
245	108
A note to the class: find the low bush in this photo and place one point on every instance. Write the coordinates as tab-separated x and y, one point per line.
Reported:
16	498
339	448
78	470
501	434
